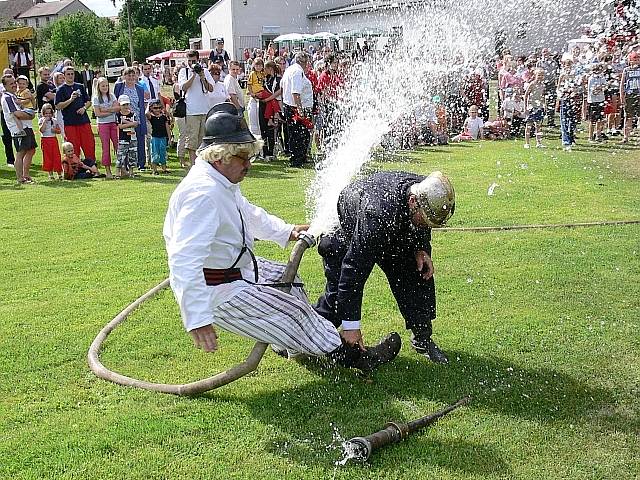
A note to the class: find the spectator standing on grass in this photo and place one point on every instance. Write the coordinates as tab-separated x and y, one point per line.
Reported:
160	135
550	67
630	93
87	75
58	80
534	101
152	85
219	93
297	96
22	62
566	103
49	130
73	101
105	107
595	101
196	83
19	123
233	87
136	95
127	122
45	91
180	123
6	132
219	53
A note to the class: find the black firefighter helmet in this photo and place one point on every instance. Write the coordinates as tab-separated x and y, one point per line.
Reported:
223	125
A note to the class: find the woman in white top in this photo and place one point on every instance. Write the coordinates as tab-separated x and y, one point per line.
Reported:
219	93
105	107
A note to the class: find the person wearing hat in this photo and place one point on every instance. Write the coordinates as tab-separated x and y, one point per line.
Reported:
209	231
220	54
630	93
386	220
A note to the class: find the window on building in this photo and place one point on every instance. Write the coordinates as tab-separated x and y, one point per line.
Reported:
37	22
25	21
48	19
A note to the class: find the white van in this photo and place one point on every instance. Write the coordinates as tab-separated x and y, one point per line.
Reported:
113	68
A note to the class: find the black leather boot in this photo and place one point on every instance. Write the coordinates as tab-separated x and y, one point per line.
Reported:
425	346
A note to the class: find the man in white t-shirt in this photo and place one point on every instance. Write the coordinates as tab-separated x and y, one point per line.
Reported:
19	124
196	82
233	87
297	96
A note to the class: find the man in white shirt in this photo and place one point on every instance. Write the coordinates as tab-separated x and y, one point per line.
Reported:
22	62
234	91
19	124
195	81
297	96
209	232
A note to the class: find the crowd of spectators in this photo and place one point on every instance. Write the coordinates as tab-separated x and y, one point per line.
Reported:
292	99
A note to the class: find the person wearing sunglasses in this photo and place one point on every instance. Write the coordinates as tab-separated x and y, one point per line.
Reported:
218	282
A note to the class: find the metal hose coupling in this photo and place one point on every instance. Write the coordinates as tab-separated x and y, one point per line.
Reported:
359	449
308	238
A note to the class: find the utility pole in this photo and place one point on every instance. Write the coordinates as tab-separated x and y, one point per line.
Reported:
130	35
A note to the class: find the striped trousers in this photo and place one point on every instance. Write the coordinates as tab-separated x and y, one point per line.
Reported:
269	315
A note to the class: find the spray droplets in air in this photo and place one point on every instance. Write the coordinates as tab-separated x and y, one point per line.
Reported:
437	43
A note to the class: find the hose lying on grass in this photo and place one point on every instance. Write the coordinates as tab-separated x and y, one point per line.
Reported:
526	227
201	386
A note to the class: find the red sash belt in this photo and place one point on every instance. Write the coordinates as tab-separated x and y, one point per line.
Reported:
215	276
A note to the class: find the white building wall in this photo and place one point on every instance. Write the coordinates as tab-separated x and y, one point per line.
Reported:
249	26
218	22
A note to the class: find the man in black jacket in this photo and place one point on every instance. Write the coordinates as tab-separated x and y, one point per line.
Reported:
386	219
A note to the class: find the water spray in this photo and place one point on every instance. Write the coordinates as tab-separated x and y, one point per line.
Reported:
233	373
359	449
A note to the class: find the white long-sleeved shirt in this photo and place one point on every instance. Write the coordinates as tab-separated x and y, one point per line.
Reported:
202	229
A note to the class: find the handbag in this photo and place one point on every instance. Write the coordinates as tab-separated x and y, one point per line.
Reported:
180	108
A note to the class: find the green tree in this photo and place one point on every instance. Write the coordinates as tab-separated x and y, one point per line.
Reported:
146	42
180	17
83	37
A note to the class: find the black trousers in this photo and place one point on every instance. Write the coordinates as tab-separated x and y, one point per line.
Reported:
299	138
416	297
8	143
266	132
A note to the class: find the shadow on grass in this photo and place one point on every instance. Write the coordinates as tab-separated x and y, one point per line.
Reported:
360	406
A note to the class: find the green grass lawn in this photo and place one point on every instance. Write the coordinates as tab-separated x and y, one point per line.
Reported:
541	327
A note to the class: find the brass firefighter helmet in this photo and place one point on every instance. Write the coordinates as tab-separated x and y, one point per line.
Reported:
435	198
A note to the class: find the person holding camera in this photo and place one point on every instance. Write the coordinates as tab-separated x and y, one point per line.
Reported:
196	82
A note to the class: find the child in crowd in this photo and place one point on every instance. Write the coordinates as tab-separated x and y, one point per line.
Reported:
73	168
595	101
49	128
127	157
25	96
513	111
472	128
160	135
105	108
534	101
255	85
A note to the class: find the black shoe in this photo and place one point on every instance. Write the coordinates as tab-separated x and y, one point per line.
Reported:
385	351
429	349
